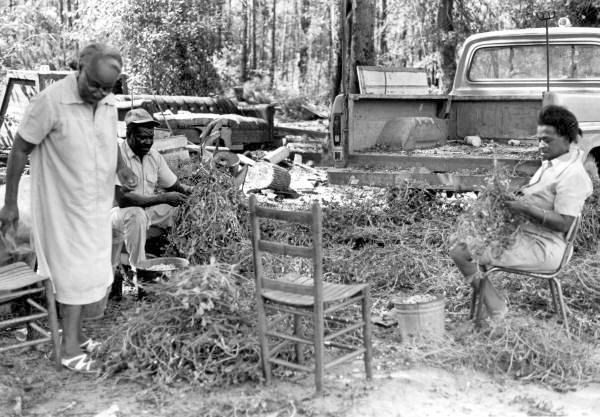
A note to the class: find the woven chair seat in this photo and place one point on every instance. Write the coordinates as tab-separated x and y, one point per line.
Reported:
331	292
18	275
14	280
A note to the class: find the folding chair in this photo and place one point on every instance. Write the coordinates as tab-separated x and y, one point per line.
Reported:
21	280
555	287
304	296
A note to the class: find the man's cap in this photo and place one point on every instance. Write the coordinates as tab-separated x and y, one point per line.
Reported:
139	116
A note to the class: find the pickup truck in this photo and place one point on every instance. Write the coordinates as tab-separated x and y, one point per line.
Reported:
500	85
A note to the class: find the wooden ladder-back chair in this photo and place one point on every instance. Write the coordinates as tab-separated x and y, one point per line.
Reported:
18	280
555	287
309	297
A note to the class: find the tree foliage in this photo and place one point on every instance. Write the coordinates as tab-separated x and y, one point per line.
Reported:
202	47
33	36
171	44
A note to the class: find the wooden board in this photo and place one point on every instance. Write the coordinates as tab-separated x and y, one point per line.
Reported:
392	80
494	119
170	142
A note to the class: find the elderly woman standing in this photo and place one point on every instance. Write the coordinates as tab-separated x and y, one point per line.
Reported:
552	200
70	130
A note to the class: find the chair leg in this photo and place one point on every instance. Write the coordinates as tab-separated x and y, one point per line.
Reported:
262	334
53	321
367	331
473	303
298	333
319	346
563	307
479	290
555	302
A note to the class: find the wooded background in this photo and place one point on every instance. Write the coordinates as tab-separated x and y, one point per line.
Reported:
283	48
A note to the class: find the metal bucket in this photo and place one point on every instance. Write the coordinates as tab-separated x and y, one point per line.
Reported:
424	319
147	274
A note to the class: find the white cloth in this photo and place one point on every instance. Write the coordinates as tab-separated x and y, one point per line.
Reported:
73	171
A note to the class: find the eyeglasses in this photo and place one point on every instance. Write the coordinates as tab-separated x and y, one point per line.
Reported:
95	85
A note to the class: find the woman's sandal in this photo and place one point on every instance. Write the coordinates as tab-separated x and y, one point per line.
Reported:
90	345
80	363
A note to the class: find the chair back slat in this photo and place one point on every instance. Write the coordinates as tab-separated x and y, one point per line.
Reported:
273	284
315	252
285	249
301	217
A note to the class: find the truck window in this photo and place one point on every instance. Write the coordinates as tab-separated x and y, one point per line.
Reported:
514	62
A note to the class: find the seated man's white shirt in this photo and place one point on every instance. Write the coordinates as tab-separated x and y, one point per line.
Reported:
562	185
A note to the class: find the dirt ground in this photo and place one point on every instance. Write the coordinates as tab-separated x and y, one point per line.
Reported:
30	386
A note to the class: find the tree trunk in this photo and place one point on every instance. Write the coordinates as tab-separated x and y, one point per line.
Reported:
283	61
362	40
263	41
221	7
273	49
253	34
244	58
265	175
337	33
61	11
303	51
446	43
69	18
382	27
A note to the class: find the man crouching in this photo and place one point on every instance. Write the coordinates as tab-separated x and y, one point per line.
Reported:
143	207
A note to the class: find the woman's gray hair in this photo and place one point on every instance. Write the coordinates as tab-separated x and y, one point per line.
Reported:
93	52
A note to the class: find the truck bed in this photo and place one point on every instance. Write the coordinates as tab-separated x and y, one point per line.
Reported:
526	150
454	166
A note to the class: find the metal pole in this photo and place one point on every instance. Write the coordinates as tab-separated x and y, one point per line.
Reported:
547	15
547	59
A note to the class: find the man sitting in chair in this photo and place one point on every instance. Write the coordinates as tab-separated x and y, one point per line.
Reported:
143	207
552	200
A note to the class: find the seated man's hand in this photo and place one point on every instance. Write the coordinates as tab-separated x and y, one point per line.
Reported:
518	206
174	198
187	189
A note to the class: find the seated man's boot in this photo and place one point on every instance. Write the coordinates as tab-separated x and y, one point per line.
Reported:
116	290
